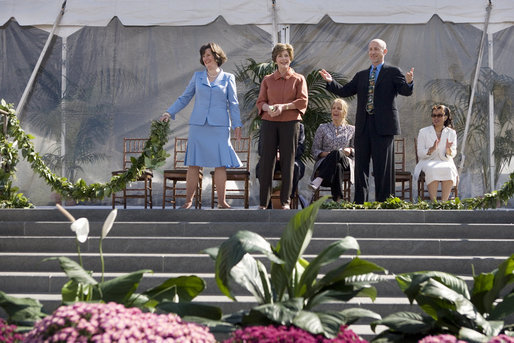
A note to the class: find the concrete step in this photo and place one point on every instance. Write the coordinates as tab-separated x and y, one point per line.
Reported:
195	263
192	244
98	214
272	229
52	282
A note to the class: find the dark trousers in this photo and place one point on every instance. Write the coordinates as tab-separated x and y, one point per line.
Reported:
380	148
283	135
331	170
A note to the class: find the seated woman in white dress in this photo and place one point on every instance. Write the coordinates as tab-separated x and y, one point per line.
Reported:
437	146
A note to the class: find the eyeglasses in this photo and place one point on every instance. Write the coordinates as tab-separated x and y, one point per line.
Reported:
439	115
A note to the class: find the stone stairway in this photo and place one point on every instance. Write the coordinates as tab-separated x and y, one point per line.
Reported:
170	242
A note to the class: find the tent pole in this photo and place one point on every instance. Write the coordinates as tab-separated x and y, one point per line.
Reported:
475	80
492	164
64	86
28	88
274	39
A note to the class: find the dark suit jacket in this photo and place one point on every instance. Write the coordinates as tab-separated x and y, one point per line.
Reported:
390	83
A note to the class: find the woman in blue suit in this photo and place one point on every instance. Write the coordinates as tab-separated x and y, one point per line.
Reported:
216	110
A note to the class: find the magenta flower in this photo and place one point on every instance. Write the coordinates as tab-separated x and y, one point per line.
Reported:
501	339
289	334
453	339
8	333
112	322
441	339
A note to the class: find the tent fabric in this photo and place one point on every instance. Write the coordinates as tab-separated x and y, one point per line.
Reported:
257	12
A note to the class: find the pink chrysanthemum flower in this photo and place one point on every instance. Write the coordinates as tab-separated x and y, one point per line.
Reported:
8	333
289	334
112	322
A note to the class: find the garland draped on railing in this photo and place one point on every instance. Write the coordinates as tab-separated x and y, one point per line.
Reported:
153	156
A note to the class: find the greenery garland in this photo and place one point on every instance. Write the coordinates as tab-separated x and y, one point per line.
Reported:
153	156
488	200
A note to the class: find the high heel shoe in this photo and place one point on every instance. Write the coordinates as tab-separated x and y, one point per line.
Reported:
186	206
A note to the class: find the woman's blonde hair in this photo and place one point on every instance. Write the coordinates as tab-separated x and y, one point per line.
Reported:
344	107
277	49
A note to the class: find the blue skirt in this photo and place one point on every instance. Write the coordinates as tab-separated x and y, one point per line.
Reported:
209	146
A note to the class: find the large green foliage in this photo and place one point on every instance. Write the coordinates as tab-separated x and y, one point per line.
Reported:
292	291
449	307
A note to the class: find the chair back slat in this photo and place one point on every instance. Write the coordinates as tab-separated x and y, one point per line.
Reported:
242	149
399	154
132	147
179	156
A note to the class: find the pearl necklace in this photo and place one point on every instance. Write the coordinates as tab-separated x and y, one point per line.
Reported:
212	76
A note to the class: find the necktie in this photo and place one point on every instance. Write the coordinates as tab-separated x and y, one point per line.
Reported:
371	91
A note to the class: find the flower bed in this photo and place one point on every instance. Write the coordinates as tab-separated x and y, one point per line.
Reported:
289	334
95	322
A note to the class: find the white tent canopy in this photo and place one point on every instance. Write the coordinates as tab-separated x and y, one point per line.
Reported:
258	12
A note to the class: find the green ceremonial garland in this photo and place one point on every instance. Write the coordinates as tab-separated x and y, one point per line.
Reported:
153	156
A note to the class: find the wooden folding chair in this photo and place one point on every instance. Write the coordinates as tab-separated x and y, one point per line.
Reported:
422	192
277	176
174	180
142	187
402	176
238	175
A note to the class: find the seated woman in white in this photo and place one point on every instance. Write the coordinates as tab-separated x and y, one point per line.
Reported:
437	146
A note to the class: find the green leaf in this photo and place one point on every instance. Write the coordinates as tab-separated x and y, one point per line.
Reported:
21	311
471	335
122	287
72	292
327	256
234	251
311	322
191	309
292	244
352	315
406	322
446	303
487	287
346	272
282	313
410	283
504	309
74	271
186	287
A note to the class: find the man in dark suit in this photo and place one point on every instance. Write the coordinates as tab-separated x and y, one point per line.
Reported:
376	121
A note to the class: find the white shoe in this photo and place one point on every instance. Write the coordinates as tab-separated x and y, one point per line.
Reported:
315	184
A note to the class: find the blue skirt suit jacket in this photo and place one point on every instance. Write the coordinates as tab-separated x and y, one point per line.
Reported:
215	111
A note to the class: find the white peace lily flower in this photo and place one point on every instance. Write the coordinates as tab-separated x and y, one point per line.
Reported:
108	223
81	229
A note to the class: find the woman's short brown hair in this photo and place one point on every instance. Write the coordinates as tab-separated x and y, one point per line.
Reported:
277	49
217	52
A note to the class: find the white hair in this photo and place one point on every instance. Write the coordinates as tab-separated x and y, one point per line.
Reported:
380	42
